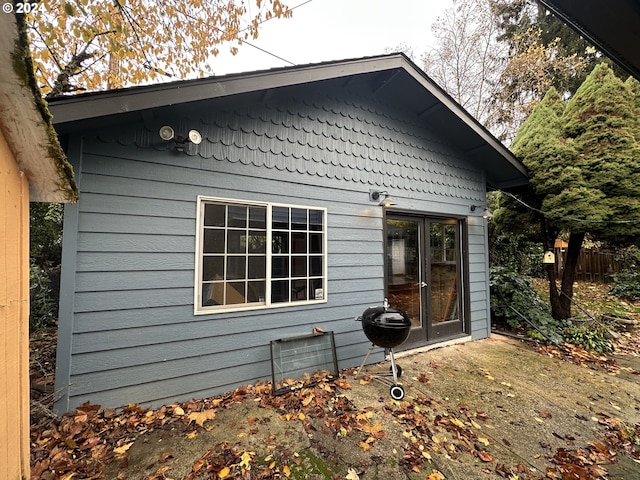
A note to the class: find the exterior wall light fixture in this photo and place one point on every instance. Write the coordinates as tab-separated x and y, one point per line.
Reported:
167	134
381	198
484	211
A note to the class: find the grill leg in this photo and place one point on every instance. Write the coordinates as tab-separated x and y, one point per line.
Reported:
394	370
365	359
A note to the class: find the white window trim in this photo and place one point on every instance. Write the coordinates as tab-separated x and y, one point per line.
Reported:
198	309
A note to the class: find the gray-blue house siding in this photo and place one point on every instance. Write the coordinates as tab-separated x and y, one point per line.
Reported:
128	331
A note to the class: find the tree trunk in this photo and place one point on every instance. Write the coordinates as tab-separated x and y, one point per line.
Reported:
561	300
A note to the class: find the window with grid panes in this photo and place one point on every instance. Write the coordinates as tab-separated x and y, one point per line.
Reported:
259	255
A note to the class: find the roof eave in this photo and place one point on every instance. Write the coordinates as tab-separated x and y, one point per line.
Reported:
69	110
25	121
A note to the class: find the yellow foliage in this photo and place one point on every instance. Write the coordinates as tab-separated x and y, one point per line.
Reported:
128	43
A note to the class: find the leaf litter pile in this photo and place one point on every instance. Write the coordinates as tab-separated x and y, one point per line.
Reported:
81	444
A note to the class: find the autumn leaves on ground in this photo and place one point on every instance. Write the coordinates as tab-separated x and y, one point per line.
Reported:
495	408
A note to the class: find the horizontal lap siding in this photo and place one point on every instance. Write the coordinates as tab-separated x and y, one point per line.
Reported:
478	278
134	337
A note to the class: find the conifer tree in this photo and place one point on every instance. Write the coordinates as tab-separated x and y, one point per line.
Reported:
583	161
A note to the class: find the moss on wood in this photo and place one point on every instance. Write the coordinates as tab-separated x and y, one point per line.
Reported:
24	69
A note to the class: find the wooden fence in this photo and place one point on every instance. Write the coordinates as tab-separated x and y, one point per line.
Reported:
593	265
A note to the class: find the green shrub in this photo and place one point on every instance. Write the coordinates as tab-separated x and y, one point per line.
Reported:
626	284
627	281
514	301
517	254
590	336
43	305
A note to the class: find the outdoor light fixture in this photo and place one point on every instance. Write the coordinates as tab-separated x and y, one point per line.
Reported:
485	212
382	198
167	134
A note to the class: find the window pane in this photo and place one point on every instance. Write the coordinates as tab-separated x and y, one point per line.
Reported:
213	241
298	219
316	292
280	218
235	293
280	242
236	241
315	266
255	291
214	215
280	267
257	267
315	220
258	217
257	242
212	294
237	216
299	266
212	268
298	243
315	243
236	268
298	290
280	291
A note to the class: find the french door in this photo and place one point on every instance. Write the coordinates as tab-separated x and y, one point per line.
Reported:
424	276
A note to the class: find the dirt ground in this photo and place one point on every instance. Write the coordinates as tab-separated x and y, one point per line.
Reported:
494	408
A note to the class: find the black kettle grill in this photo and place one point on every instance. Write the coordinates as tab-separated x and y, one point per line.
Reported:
387	328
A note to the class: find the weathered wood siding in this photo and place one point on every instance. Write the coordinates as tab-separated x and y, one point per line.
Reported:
14	317
127	328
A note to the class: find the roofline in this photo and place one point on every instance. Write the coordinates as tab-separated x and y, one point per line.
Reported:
71	108
576	15
133	99
25	120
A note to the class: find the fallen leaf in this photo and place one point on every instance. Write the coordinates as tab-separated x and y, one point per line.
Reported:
457	422
485	456
352	475
286	470
201	417
483	441
224	473
342	384
161	471
165	456
121	450
364	446
198	465
178	411
245	459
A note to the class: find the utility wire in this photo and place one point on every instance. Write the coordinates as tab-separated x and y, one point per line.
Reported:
560	217
266	51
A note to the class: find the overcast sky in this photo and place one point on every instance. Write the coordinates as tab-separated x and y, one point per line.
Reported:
323	30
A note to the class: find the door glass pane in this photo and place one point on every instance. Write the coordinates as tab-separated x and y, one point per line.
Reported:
403	267
444	273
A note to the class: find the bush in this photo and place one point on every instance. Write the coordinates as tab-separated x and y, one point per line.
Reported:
43	304
517	254
627	281
591	337
514	301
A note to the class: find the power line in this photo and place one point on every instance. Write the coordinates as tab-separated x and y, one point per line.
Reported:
560	217
266	51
